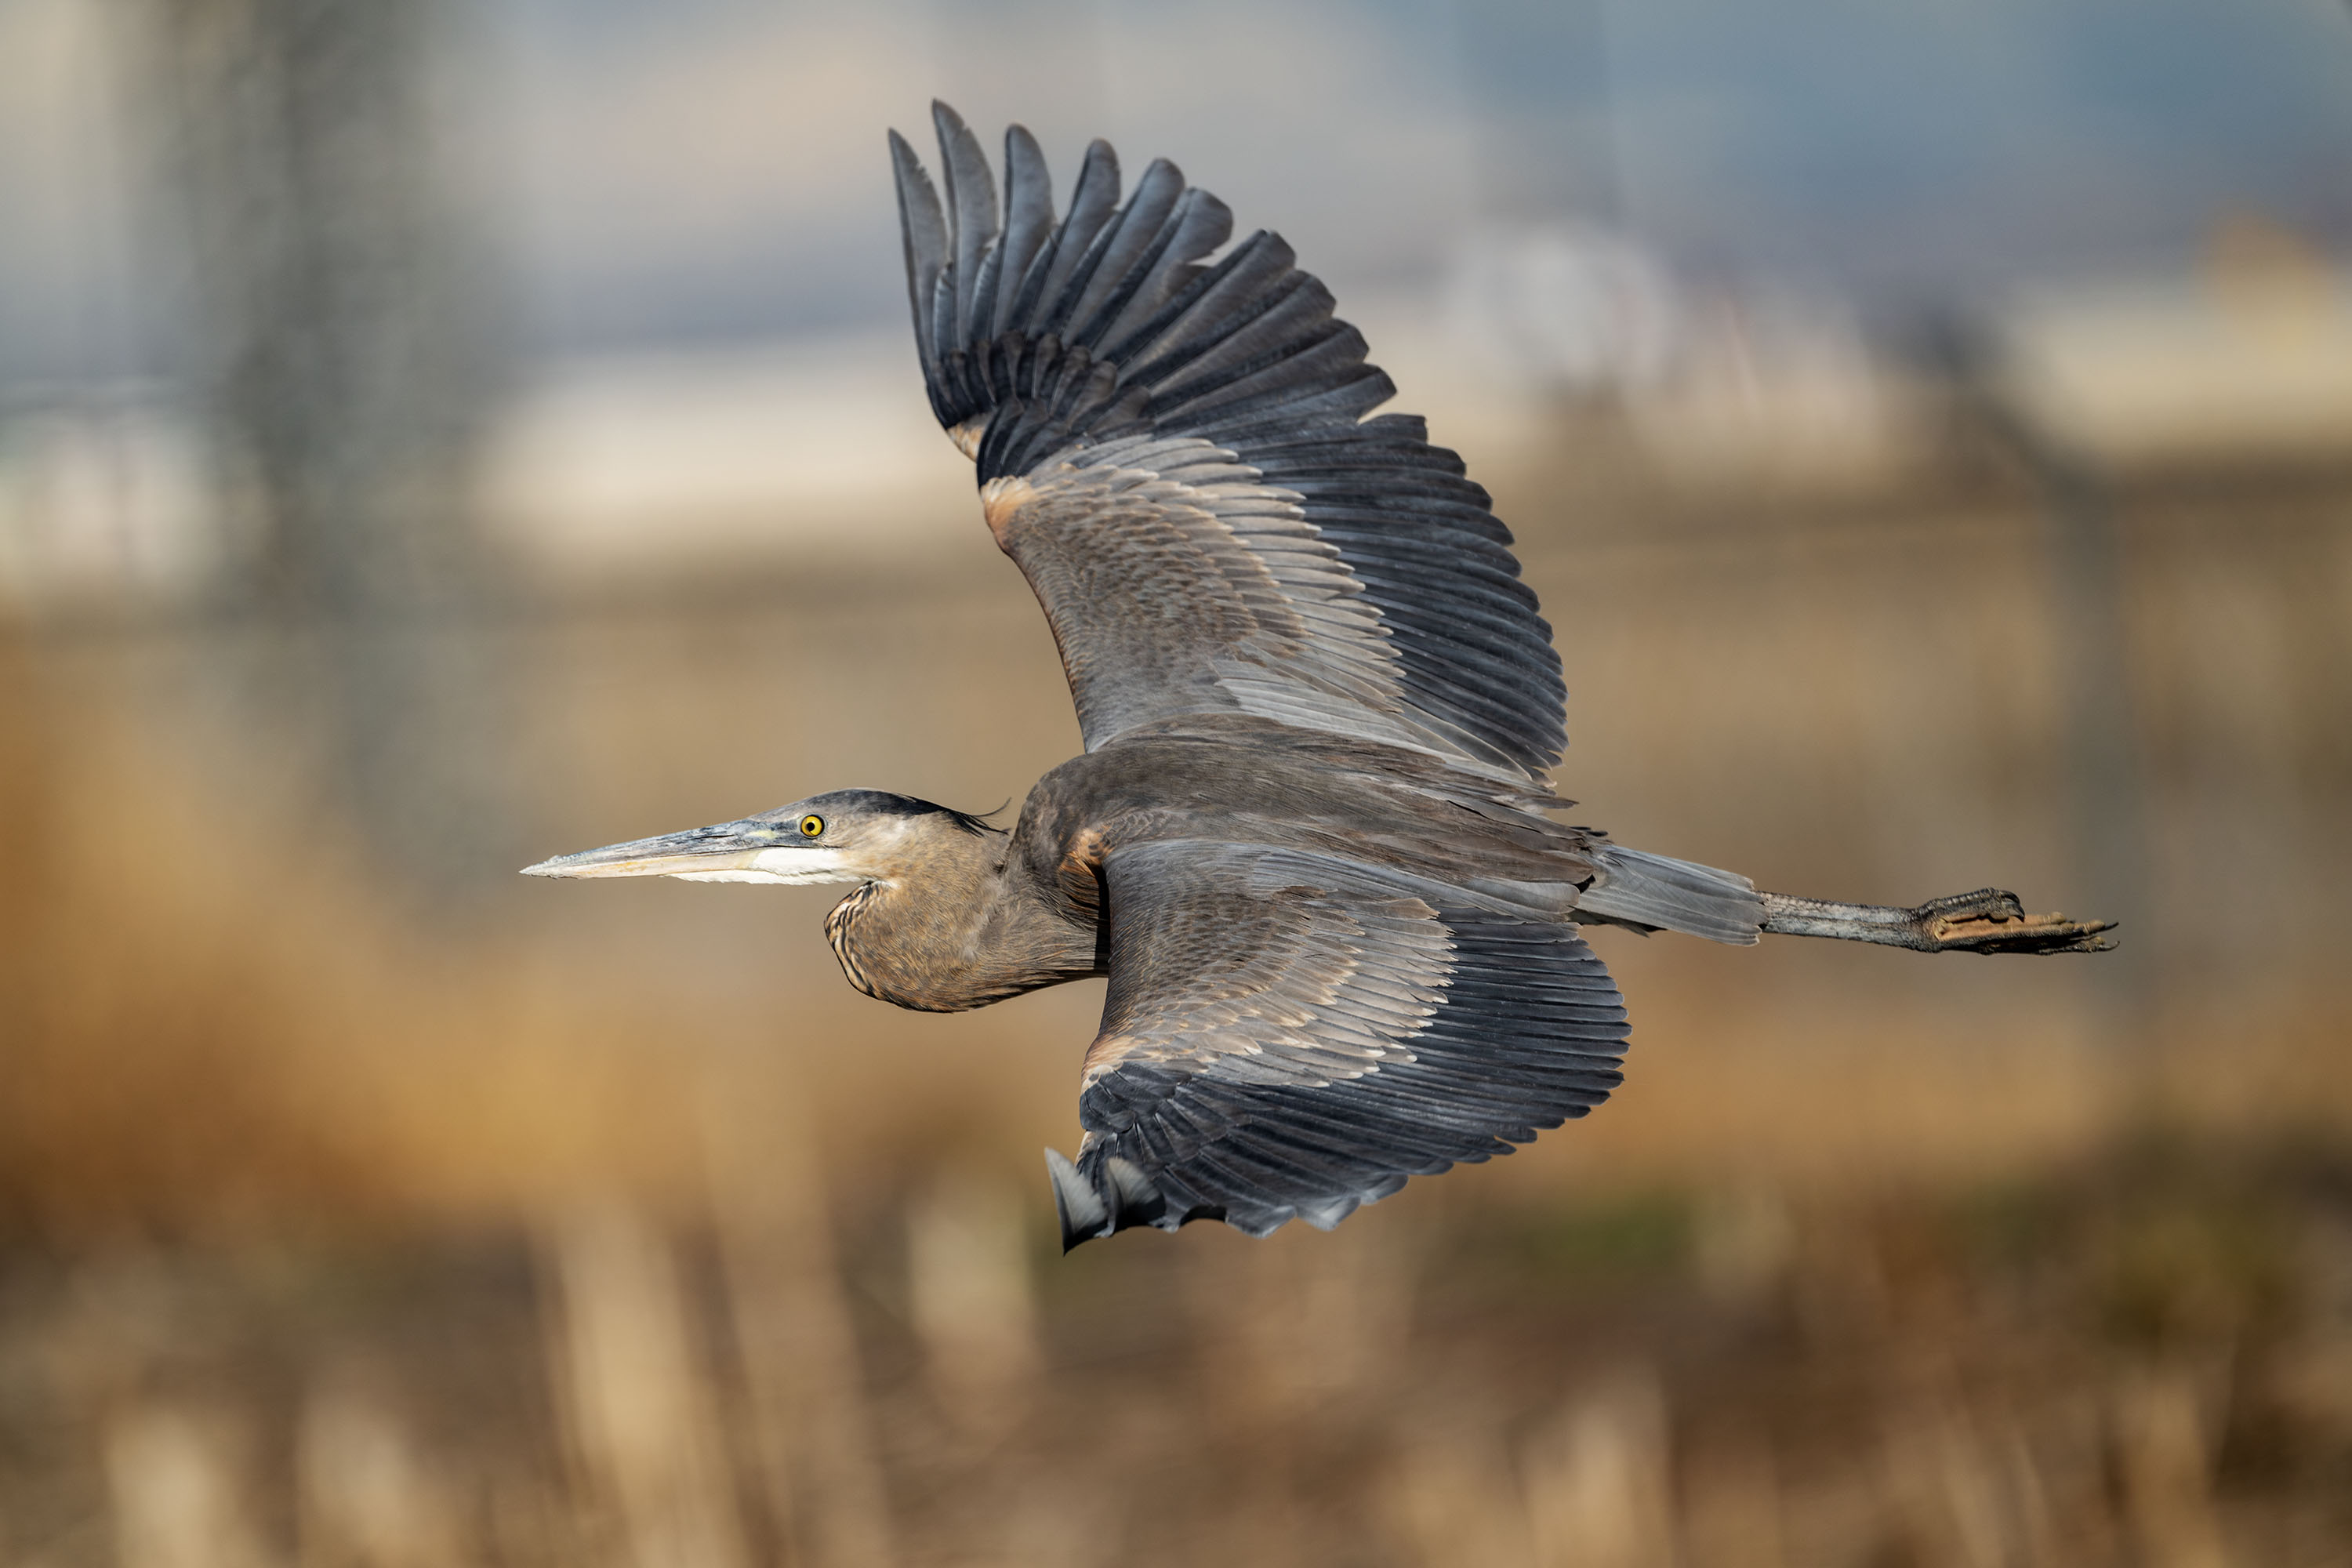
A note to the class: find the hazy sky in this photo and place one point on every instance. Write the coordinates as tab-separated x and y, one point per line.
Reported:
1911	148
714	168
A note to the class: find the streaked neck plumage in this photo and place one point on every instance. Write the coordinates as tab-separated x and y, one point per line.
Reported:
959	927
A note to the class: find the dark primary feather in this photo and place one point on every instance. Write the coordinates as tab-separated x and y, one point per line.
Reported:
972	207
925	235
1331	540
1289	1035
1029	222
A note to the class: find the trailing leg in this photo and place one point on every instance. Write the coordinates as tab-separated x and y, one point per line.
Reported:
1987	921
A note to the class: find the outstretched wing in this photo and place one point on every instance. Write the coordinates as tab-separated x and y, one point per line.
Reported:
1289	1035
1178	457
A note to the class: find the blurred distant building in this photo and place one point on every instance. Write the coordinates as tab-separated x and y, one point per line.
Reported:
1566	307
106	501
669	462
1779	387
2248	360
1715	384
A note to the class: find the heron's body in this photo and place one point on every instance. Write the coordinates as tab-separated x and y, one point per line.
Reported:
996	914
1307	840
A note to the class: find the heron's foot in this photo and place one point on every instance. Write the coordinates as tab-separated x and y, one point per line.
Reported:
1993	920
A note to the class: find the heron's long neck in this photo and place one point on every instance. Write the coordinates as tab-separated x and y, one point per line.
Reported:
966	932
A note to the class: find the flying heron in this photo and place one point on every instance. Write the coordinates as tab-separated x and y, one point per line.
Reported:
1307	839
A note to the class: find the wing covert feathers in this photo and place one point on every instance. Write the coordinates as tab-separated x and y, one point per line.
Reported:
1109	340
1291	1034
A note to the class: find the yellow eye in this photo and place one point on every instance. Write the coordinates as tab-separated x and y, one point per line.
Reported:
811	826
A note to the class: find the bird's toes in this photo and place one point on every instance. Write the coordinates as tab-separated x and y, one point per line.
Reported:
2019	932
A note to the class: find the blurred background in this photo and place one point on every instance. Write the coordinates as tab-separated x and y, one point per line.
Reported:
433	436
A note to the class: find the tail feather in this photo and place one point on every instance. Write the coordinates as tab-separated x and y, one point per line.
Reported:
1632	887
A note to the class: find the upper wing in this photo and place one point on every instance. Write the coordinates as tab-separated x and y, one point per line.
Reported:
1290	1035
1178	457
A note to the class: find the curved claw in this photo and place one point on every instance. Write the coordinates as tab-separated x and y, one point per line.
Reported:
1993	920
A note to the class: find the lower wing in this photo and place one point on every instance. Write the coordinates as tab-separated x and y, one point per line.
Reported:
1290	1035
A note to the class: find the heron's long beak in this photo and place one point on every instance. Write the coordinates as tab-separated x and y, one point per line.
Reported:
730	851
721	849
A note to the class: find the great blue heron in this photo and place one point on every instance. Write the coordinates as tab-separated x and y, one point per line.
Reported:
1306	841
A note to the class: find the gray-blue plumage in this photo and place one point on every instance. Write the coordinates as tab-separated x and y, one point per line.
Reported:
1308	839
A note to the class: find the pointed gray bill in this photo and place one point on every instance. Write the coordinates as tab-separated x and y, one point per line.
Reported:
751	850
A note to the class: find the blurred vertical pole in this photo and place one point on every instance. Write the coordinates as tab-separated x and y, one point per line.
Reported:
2106	790
344	377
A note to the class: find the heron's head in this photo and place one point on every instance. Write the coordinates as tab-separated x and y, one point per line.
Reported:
849	835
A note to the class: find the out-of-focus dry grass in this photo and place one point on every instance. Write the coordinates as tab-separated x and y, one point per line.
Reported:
607	1224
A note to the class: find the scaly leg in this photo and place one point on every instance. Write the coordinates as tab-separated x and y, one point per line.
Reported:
1988	921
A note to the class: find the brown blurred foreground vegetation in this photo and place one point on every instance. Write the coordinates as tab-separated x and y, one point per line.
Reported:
2136	1359
606	1225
